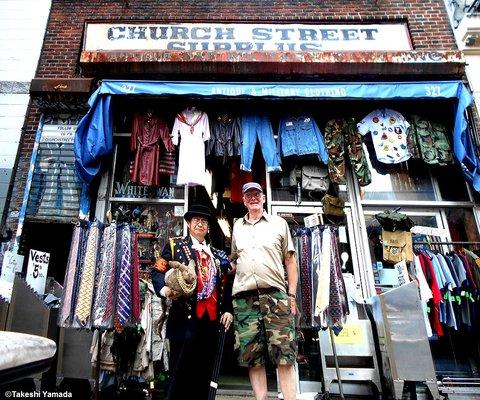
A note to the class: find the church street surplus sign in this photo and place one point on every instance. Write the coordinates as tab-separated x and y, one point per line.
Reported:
246	37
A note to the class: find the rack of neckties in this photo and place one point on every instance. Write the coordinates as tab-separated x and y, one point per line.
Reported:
101	285
106	254
322	290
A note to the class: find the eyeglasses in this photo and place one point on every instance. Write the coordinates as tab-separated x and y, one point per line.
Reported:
199	221
251	195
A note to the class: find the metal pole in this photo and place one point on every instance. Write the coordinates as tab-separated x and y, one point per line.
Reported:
337	369
97	366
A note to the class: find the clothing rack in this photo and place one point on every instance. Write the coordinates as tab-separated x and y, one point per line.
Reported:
334	228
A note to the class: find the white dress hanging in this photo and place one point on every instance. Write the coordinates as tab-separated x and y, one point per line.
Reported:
191	129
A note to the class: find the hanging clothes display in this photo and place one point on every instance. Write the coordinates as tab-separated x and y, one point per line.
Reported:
335	315
324	299
225	136
103	291
139	350
258	126
101	278
431	137
342	136
190	130
426	294
389	135
453	279
322	270
149	132
299	135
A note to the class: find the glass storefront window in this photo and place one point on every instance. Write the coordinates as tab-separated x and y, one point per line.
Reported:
157	222
462	226
405	181
451	183
385	275
123	188
284	185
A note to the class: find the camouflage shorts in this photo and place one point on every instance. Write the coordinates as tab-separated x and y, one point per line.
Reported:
264	329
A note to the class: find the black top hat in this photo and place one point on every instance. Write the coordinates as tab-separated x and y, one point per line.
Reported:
197	210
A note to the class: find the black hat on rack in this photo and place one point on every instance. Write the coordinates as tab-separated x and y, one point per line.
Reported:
198	210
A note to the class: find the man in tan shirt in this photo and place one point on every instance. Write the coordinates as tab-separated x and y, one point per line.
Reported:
264	303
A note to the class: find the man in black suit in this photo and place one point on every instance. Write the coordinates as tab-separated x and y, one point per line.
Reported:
193	322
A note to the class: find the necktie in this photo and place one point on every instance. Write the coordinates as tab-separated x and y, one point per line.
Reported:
338	305
323	291
79	268
305	282
105	286
64	317
125	282
135	279
85	292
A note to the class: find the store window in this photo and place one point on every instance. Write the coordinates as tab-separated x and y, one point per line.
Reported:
406	181
451	184
124	188
462	226
385	275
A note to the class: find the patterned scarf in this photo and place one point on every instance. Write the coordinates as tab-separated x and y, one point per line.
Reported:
182	118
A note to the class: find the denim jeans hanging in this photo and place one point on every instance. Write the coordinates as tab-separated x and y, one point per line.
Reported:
253	126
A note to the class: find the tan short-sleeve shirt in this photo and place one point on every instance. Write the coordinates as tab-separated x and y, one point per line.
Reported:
261	248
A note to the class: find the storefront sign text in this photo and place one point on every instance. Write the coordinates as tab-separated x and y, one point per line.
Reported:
37	270
121	189
58	133
246	37
12	263
352	333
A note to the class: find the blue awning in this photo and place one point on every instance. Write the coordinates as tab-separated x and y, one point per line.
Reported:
93	140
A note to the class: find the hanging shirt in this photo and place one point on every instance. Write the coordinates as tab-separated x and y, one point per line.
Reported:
437	302
474	262
225	136
432	139
389	135
190	130
449	286
450	280
341	137
425	293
